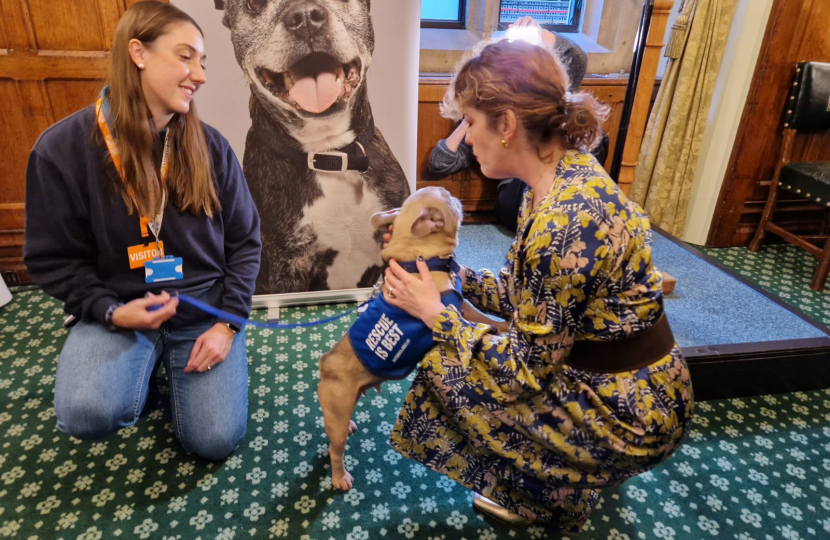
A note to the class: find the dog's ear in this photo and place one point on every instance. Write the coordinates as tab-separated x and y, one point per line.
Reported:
382	220
219	4
431	220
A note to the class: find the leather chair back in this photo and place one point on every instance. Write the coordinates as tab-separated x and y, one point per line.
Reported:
809	103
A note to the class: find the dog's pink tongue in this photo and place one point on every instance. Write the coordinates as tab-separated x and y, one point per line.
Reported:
316	95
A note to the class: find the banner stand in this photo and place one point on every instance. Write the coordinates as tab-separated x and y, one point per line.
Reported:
392	85
273	302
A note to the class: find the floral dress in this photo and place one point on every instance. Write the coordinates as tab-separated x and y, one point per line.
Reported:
505	415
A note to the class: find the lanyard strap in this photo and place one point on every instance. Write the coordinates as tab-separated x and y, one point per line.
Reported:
145	222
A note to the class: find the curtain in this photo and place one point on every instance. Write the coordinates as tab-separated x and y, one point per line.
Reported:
674	133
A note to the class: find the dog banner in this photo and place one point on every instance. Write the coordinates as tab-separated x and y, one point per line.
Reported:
318	99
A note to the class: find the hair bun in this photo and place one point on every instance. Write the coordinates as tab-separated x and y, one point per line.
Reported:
584	116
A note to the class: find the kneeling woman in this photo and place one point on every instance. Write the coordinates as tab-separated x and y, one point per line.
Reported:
588	387
111	186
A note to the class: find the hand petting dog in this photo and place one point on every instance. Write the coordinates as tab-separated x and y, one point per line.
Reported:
418	297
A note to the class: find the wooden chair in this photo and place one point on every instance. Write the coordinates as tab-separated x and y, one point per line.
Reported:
808	107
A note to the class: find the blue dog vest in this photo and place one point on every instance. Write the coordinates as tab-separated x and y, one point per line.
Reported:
389	341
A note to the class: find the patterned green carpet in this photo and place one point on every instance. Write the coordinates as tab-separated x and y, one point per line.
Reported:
752	469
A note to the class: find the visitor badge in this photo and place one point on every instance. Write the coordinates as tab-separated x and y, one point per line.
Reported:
163	269
142	253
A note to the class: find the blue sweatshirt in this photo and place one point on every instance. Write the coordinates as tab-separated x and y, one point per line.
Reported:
78	229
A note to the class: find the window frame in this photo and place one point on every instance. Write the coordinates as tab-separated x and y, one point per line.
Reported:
458	24
572	28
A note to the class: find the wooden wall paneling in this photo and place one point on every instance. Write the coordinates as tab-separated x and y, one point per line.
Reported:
14	135
43	65
34	115
612	93
64	96
36	108
110	13
796	31
816	145
18	29
5	37
9	244
16	139
478	195
53	59
79	29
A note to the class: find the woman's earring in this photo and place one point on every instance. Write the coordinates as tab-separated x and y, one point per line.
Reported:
505	143
140	66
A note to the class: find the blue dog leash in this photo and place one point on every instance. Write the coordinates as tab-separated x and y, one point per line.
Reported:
437	264
241	321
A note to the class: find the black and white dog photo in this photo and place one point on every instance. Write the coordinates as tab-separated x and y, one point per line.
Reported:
315	163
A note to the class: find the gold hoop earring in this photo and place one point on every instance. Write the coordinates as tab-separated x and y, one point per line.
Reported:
505	143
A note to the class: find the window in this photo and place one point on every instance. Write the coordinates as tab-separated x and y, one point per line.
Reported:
555	15
443	13
603	29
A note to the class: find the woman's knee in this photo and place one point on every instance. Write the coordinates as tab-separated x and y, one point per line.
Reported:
90	419
214	442
101	380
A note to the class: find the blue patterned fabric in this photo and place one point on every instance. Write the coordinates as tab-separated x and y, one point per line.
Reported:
505	415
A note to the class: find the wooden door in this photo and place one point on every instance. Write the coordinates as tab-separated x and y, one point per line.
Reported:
796	31
53	59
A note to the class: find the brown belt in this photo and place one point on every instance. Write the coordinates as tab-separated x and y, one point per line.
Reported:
634	352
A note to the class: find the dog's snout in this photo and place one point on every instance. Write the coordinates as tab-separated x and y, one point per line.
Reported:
306	19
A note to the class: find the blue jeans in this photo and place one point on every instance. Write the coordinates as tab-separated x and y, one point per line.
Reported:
102	380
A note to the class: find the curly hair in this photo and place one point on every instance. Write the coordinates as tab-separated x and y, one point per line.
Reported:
531	81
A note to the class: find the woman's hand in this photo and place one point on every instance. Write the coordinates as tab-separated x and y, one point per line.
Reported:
418	297
138	315
548	37
457	136
210	349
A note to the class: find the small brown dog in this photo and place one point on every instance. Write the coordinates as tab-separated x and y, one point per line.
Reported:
425	226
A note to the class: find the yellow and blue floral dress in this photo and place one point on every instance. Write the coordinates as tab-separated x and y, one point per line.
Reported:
505	415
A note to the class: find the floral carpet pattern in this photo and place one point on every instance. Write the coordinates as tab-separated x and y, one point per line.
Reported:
751	469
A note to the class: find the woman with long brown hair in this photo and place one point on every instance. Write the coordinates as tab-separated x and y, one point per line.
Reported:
127	201
588	387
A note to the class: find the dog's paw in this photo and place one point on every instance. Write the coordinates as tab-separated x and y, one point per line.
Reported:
342	482
352	427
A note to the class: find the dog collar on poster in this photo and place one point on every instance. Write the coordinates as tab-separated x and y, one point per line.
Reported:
435	264
340	160
352	157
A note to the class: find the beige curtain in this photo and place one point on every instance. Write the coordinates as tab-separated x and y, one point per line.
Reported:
673	136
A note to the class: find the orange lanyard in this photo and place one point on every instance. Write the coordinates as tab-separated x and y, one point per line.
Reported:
116	160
